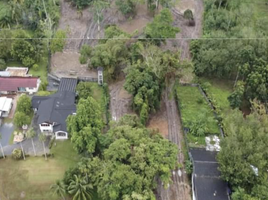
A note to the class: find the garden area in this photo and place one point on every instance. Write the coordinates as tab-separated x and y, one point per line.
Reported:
196	114
32	178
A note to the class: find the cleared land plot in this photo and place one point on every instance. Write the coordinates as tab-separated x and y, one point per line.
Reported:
33	177
192	106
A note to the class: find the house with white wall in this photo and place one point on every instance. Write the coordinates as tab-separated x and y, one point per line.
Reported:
5	106
12	84
53	110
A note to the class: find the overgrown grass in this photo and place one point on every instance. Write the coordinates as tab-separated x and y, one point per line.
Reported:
219	91
34	176
192	104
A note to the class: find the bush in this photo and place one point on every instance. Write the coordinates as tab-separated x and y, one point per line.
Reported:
188	166
17	154
82	59
35	67
200	100
24	105
2	64
43	86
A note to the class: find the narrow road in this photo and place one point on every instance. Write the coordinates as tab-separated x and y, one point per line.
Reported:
180	188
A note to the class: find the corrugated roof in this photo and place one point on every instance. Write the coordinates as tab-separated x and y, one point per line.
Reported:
206	176
67	84
13	83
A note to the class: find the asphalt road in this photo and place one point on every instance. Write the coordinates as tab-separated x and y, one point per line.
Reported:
6	130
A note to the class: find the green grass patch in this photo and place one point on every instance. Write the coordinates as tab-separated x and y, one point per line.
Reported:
192	105
219	91
35	175
42	70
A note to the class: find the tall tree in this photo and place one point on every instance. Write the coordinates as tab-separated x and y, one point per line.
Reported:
243	156
161	27
43	138
97	6
59	189
1	146
80	188
30	135
86	126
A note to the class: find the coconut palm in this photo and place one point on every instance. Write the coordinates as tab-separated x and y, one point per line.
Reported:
80	188
1	146
59	189
42	138
30	135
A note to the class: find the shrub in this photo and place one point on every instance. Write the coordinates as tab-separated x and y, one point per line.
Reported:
82	59
17	154
43	86
2	64
35	67
188	166
200	100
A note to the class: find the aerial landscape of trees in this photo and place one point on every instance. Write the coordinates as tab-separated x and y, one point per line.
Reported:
123	158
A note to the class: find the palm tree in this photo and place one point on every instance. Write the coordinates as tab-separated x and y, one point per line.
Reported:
30	135
59	189
80	188
1	146
42	138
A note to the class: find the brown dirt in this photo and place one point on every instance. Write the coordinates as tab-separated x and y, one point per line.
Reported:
138	22
75	23
180	189
158	121
66	64
120	103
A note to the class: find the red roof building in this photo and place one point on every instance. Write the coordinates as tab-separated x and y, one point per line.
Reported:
21	84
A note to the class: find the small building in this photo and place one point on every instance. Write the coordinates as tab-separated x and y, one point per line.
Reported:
5	106
18	71
9	85
206	181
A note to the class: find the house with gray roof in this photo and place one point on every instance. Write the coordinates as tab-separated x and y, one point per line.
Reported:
206	181
52	111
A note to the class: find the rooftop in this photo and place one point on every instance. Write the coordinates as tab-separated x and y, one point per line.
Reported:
55	108
17	71
67	84
13	83
5	104
206	177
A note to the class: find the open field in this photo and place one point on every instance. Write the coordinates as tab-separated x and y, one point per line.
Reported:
32	178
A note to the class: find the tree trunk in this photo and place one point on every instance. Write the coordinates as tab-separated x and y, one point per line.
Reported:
237	75
156	4
98	27
44	150
22	151
33	147
2	150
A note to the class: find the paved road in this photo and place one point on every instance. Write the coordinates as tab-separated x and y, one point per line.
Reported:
6	130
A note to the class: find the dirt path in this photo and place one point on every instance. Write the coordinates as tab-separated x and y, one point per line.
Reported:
180	189
120	103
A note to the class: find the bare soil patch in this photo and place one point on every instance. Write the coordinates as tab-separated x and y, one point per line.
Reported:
66	64
120	103
138	22
158	121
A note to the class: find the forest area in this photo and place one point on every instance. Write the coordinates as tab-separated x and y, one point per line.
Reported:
123	158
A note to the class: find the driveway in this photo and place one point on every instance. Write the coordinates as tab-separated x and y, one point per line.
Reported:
6	130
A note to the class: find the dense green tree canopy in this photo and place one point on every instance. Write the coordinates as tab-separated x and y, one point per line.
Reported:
132	158
24	105
161	27
86	126
58	42
243	150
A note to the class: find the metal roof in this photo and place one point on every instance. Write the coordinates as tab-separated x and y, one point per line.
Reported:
207	183
67	84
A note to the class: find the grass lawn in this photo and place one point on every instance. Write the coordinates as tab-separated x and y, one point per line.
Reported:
220	90
34	176
192	106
